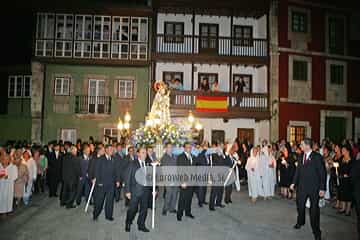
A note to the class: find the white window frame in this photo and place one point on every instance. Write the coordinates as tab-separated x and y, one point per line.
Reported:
127	94
82	27
102	28
336	92
82	52
120	22
44	45
112	130
82	41
66	132
63	91
22	79
138	47
68	19
101	53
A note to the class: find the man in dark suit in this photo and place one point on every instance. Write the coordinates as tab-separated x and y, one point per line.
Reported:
84	181
201	160
186	192
129	158
137	192
121	166
70	175
172	192
310	182
216	193
105	182
54	170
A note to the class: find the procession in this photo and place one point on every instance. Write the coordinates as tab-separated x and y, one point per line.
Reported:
180	119
95	176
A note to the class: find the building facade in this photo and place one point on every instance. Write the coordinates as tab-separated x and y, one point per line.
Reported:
222	42
314	61
89	69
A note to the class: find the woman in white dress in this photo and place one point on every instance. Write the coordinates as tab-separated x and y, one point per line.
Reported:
32	168
252	168
8	175
272	172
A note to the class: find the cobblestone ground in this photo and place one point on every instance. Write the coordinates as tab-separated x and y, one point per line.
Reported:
271	219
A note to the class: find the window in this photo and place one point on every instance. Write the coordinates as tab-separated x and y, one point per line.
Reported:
337	74
19	86
45	25
68	135
120	29
83	31
336	35
297	134
242	83
101	47
174	32
64	26
83	27
169	76
62	86
120	38
139	29
299	22
139	33
300	70
64	35
126	88
110	132
211	77
243	35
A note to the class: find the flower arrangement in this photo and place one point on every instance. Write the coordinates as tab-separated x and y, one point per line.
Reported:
169	133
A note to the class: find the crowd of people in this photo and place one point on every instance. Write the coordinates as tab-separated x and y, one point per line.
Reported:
70	171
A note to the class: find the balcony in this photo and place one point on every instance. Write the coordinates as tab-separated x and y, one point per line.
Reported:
226	48
93	105
244	105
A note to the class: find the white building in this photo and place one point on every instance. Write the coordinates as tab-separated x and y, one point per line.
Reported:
218	43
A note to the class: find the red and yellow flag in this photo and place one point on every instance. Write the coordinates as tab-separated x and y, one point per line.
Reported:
211	104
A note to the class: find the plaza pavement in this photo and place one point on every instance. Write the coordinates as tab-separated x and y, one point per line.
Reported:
241	220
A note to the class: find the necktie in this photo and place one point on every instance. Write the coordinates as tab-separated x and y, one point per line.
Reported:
305	159
189	157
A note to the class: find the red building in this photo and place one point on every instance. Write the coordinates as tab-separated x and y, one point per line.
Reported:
315	64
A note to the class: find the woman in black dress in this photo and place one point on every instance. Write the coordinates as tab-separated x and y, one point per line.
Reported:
355	179
334	174
286	167
345	188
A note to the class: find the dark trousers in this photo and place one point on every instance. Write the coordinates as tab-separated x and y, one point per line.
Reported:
83	190
118	194
185	199
135	203
39	184
216	195
357	208
314	211
69	193
201	193
61	196
228	191
53	185
101	194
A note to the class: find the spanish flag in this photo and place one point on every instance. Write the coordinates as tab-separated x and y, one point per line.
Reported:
211	104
